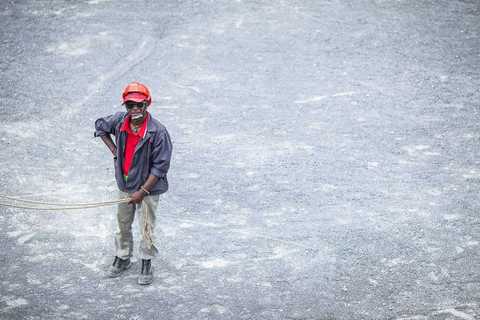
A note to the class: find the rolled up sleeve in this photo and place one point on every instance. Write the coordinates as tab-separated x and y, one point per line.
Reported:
107	125
161	154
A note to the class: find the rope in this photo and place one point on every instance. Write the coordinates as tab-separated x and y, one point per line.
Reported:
147	225
64	204
55	206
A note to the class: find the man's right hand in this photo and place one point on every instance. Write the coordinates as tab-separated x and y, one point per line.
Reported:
137	197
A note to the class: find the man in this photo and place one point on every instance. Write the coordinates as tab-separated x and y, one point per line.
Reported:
141	153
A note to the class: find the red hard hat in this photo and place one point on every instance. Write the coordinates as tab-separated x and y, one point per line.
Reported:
137	92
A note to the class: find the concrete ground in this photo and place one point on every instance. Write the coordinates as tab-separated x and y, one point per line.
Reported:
326	159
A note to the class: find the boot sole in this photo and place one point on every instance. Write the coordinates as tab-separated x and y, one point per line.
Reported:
145	283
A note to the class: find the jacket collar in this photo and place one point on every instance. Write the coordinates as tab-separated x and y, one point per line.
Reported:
151	125
146	126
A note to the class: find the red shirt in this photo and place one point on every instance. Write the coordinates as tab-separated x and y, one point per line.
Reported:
133	138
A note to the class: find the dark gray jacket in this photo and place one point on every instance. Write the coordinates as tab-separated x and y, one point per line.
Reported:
152	154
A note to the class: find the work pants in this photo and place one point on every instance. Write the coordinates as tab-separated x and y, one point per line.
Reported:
146	219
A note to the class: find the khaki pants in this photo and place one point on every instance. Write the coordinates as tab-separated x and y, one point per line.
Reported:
146	219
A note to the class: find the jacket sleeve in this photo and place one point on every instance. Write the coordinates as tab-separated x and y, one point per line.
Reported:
161	154
108	124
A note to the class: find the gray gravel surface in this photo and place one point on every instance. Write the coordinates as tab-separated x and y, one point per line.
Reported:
326	160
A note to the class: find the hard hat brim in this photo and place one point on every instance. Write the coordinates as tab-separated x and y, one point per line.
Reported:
135	97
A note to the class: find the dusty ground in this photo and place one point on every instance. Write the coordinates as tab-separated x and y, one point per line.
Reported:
326	160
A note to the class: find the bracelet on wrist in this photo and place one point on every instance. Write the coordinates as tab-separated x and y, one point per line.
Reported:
145	190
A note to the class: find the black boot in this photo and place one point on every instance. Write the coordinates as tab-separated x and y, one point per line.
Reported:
146	273
118	266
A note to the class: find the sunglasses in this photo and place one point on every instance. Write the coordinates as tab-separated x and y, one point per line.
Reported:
139	105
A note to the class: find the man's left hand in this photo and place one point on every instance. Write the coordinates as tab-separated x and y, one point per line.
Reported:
137	197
